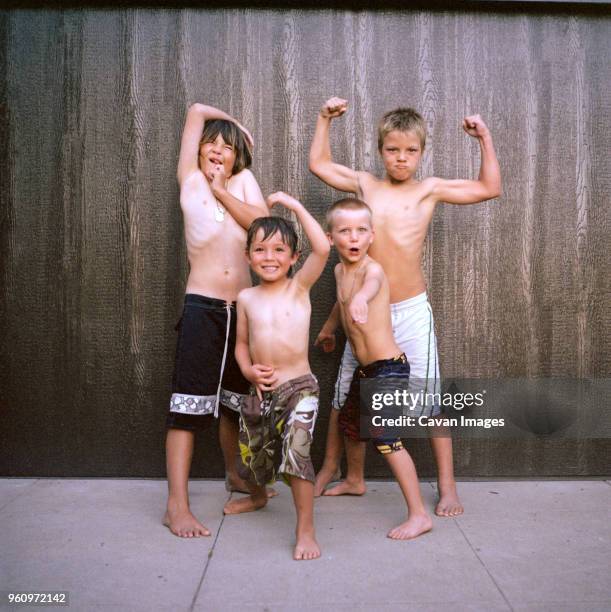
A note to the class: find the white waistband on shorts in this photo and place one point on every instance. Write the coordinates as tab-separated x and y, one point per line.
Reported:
409	302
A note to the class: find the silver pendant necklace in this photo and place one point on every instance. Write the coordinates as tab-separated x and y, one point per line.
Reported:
219	212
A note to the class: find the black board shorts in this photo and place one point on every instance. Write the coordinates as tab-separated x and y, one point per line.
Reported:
206	377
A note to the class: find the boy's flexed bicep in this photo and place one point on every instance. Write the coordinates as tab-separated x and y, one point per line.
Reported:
457	191
321	164
488	183
337	176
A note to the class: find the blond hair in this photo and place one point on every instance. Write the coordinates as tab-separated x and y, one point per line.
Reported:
345	204
403	120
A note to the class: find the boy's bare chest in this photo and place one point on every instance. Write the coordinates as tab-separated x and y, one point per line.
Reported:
206	219
348	284
402	216
282	315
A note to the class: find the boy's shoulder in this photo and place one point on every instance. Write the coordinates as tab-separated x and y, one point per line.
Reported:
247	294
243	175
373	267
366	178
243	178
430	182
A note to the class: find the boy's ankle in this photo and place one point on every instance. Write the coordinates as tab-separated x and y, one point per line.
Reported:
178	504
355	480
304	528
259	494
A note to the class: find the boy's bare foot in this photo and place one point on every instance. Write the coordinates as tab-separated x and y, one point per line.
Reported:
347	487
235	484
244	504
448	504
323	478
183	524
306	547
413	527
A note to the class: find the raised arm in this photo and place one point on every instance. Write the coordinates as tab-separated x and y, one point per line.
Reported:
488	184
358	307
321	164
197	115
244	212
315	263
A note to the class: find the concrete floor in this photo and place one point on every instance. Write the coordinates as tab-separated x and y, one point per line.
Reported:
523	545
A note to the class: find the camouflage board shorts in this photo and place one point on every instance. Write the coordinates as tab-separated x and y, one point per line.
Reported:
286	416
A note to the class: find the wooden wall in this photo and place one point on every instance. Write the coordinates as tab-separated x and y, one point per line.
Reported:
93	257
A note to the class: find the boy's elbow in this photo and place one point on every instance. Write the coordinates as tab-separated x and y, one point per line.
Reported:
315	165
259	210
496	191
197	110
490	192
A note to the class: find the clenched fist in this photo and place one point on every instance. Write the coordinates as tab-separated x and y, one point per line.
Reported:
333	107
474	126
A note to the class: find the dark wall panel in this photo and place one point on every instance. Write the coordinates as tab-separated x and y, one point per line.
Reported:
93	257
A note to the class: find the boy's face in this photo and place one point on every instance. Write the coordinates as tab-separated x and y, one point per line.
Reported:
270	259
401	154
217	152
351	233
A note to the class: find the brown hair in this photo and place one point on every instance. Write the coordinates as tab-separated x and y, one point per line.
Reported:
345	204
271	225
232	135
403	120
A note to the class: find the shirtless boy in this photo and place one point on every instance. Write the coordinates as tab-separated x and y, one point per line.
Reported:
219	198
272	351
402	210
363	301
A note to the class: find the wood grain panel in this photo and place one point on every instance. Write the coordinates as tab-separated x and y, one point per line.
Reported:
93	256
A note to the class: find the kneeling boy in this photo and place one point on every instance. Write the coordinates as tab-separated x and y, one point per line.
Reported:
363	297
272	352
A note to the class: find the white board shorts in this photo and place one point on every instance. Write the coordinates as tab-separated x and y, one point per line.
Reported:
414	331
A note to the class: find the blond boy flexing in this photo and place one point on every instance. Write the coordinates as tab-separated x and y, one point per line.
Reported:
402	211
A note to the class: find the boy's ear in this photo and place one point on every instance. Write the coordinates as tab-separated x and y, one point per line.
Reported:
330	238
296	255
